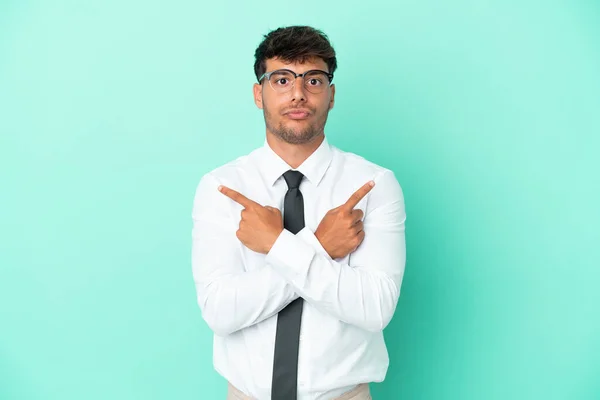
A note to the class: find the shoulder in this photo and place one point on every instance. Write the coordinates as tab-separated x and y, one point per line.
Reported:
232	174
359	167
232	171
360	170
235	168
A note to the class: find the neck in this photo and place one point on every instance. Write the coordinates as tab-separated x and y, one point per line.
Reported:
294	154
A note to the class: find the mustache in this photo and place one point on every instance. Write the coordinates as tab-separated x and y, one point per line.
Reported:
298	108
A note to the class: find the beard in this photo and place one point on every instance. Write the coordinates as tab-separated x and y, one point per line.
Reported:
295	135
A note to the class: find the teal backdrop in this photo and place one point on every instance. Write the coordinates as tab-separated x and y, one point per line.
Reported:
488	112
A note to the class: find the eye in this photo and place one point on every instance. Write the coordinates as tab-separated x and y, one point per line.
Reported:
281	78
315	79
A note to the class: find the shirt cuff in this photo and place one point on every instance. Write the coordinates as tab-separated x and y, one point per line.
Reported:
309	237
291	257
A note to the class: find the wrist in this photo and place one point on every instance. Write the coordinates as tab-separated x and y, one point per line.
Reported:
322	241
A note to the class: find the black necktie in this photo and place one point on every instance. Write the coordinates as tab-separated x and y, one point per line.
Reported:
287	337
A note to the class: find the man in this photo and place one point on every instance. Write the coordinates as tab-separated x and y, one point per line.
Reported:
298	247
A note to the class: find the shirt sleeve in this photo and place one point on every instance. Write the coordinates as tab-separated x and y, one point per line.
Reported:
229	297
363	291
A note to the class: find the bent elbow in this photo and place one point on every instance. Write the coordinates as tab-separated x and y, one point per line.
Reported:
215	319
219	326
385	312
380	323
387	318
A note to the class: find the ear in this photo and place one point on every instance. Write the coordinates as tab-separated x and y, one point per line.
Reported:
332	99
257	89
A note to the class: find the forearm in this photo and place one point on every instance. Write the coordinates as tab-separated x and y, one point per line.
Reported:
363	295
233	302
230	297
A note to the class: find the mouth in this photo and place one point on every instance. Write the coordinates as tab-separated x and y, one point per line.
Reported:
297	114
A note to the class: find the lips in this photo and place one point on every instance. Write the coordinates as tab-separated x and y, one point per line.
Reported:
297	114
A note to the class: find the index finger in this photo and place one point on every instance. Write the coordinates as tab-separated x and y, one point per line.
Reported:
237	197
358	195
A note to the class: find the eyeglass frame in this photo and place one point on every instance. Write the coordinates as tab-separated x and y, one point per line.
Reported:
268	76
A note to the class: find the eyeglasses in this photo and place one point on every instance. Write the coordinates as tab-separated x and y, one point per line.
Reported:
283	80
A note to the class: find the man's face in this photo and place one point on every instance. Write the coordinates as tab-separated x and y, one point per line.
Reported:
298	115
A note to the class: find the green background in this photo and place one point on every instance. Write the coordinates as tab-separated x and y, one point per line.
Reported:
488	113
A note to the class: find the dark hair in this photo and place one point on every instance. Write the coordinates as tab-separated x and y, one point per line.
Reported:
294	44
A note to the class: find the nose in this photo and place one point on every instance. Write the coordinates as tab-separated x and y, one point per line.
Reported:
298	90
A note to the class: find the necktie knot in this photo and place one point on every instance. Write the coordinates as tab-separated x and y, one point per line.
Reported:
293	179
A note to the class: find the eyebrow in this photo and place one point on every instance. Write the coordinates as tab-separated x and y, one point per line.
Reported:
283	70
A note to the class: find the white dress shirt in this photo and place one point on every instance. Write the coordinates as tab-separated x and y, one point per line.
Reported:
347	301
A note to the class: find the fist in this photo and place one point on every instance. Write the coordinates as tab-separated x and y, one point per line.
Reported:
341	230
259	226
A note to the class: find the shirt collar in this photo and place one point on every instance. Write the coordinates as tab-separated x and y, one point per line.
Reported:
313	168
